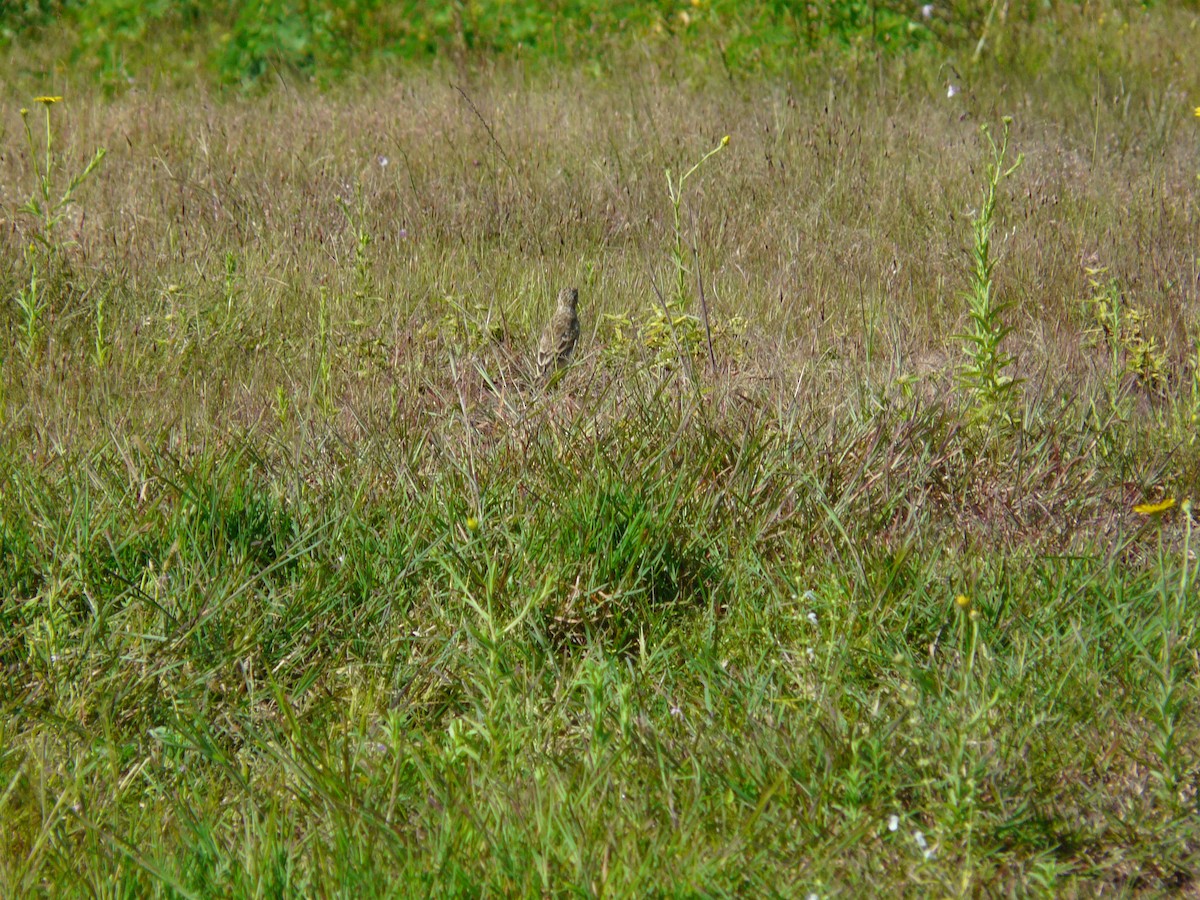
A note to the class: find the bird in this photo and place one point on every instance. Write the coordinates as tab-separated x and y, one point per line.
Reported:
561	333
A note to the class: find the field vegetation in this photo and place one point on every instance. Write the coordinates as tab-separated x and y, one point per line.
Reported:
853	554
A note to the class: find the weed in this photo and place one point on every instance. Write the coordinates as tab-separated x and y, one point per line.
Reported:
679	302
675	196
322	390
990	392
356	219
101	349
31	301
1120	327
47	209
669	329
1161	645
283	405
1190	409
231	281
45	256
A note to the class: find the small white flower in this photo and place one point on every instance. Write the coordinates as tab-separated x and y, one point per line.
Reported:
893	823
677	712
927	11
951	90
383	161
926	851
812	617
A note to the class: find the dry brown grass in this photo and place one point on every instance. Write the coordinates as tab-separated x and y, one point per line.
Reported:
837	219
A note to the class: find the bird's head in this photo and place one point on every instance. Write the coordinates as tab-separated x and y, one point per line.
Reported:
568	298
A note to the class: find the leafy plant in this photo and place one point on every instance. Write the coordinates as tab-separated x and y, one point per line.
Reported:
1120	327
675	188
115	35
1168	670
989	389
323	386
31	303
46	204
231	281
101	348
356	218
300	36
1191	423
669	329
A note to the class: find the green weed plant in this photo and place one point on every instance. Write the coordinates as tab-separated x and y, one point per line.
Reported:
990	391
47	206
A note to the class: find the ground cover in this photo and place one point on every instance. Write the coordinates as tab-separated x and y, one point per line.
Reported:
852	554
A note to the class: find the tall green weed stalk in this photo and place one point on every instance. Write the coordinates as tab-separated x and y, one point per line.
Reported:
1167	667
1191	416
671	328
356	218
30	301
989	389
675	193
47	206
323	389
43	205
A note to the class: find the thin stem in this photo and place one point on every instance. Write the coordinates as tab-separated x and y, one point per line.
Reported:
46	177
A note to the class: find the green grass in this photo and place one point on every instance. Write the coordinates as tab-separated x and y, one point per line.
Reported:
246	43
307	587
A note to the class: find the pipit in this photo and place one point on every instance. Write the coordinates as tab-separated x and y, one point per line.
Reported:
562	331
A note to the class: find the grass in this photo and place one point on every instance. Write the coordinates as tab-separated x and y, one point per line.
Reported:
306	587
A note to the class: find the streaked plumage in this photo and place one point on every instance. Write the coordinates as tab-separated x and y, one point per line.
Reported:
562	331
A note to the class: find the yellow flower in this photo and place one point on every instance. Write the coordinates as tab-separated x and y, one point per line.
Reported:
1196	112
963	601
472	524
1149	509
47	100
725	141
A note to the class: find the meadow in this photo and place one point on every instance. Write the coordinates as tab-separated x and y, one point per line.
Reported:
852	555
